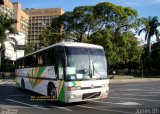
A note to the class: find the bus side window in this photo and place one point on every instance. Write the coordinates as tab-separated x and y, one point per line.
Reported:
49	58
40	59
59	62
34	61
23	63
27	62
20	63
44	58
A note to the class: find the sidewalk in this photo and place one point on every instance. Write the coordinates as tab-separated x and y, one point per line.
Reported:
131	79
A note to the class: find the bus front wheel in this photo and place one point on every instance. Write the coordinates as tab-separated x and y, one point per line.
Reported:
52	91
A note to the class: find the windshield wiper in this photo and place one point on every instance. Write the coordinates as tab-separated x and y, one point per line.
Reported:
90	71
95	70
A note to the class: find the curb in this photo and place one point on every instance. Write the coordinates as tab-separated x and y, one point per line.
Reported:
133	80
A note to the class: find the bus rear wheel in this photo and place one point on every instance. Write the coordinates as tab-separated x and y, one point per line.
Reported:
52	91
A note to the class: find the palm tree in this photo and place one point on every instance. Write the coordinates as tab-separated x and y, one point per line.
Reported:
150	28
6	28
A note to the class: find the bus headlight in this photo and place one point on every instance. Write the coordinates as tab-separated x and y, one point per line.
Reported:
73	88
72	96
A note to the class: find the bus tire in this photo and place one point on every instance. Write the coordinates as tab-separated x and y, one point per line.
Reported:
22	85
52	91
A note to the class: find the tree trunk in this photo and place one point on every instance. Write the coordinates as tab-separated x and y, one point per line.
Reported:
149	49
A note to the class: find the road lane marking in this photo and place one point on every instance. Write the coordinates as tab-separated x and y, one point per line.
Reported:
35	106
10	106
121	103
153	92
123	112
7	82
63	108
136	99
134	89
129	103
141	95
17	95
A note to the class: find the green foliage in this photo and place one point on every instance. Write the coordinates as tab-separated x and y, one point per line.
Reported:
6	27
105	24
120	48
149	26
83	21
7	67
155	55
29	48
49	37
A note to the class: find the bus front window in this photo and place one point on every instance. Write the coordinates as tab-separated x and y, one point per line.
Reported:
85	63
77	63
98	63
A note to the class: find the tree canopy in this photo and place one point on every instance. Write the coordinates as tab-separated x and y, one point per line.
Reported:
6	26
83	21
104	24
150	27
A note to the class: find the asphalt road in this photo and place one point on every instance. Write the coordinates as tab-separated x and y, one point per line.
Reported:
133	98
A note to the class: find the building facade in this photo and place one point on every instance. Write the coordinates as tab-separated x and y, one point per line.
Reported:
15	11
22	18
30	24
12	54
7	8
39	19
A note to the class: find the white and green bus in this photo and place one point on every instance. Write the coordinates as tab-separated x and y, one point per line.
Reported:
67	71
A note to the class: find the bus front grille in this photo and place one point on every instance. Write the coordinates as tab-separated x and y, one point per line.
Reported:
91	95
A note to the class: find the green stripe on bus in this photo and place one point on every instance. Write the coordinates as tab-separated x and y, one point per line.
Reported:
61	96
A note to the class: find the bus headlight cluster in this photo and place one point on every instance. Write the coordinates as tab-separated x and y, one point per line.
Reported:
73	88
104	85
72	96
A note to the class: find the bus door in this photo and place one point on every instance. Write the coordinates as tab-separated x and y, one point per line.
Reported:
59	62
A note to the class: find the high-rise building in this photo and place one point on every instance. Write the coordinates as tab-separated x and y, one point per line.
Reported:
14	10
22	18
39	19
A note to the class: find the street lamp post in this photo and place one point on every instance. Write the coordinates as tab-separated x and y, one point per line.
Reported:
142	69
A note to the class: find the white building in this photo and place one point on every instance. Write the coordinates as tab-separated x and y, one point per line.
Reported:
10	52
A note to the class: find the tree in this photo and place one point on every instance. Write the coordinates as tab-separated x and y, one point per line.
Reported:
49	37
83	21
6	27
120	48
150	26
118	17
29	48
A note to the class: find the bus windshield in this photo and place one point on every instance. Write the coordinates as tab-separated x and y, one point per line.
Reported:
85	63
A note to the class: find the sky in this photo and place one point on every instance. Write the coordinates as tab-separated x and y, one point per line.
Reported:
145	8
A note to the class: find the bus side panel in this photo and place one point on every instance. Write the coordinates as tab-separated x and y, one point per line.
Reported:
36	79
61	91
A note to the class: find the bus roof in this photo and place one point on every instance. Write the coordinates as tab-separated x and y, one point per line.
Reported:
67	44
